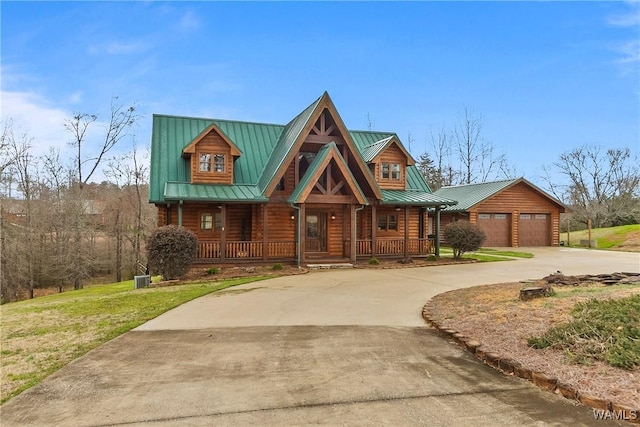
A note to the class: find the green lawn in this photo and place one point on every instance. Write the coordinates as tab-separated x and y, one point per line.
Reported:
607	238
488	255
41	335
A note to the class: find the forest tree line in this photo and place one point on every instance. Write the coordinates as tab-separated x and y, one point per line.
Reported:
60	229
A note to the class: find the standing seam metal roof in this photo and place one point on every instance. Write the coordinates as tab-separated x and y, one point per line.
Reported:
264	147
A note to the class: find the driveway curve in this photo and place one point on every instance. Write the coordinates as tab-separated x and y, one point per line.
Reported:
342	347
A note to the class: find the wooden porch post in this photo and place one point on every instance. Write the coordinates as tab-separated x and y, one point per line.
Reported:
223	232
438	231
406	231
345	237
303	232
374	227
264	232
354	238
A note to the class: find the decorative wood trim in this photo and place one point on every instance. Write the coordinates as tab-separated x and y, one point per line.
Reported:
346	174
337	199
191	147
323	139
324	103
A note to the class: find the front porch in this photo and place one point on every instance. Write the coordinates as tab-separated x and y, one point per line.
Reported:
215	251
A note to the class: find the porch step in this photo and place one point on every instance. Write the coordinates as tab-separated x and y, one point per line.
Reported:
329	266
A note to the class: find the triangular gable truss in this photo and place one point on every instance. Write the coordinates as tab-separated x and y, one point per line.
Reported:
328	156
296	139
373	151
191	147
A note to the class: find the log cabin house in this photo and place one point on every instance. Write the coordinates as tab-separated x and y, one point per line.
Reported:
511	212
308	191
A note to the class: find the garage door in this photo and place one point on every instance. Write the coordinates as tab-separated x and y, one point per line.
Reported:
535	230
497	227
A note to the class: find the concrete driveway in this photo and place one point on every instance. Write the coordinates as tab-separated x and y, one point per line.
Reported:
331	347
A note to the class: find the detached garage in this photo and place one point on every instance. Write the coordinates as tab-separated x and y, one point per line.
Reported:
511	212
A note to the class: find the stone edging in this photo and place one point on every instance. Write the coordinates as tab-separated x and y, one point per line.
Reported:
511	367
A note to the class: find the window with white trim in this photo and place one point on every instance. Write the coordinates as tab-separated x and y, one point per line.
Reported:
205	162
390	171
218	163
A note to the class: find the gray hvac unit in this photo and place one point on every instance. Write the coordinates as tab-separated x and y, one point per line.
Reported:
140	282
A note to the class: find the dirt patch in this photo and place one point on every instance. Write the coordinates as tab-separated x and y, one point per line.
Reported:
500	323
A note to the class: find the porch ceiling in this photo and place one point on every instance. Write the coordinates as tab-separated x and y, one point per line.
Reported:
213	192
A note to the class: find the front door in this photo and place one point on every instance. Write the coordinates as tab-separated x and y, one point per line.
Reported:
316	232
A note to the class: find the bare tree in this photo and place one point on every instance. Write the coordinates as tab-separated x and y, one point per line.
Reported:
120	122
462	156
466	135
601	186
130	176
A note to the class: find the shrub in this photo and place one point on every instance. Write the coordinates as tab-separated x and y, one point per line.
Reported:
374	261
607	330
277	266
431	258
463	236
213	270
171	251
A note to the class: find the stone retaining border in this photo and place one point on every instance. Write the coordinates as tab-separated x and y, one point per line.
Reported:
510	367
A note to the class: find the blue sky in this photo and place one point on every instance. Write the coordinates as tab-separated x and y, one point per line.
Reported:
545	76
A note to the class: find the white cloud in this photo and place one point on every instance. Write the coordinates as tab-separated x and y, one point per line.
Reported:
33	115
189	22
628	19
630	51
119	48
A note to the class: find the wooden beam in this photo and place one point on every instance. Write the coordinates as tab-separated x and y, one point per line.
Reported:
329	178
337	187
223	233
329	130
337	199
321	188
353	234
406	231
374	227
303	232
296	170
264	232
323	139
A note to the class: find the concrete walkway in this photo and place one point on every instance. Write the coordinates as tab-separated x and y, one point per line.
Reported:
329	347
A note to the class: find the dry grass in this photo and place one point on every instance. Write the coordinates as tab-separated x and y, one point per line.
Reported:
495	316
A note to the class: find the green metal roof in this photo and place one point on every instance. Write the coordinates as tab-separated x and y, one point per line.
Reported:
371	151
320	158
264	147
203	192
287	138
470	195
171	134
414	197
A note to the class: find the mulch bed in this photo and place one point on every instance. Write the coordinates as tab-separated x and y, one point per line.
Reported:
492	322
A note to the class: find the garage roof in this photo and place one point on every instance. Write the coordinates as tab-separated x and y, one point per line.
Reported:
470	195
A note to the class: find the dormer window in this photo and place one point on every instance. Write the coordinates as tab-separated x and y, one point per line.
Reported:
205	162
395	171
218	163
390	171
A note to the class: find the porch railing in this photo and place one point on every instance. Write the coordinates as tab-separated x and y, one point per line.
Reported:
395	247
283	249
247	250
